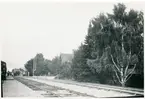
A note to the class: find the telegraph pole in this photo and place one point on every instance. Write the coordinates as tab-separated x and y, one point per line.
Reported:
34	65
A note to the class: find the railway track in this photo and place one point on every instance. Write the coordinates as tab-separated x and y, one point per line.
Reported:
40	85
133	91
50	91
137	92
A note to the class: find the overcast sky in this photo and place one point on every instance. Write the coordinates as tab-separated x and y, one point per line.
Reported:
50	28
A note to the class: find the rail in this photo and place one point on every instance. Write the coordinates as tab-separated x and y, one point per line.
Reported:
133	91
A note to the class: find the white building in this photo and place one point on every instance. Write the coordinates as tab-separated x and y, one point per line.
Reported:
66	57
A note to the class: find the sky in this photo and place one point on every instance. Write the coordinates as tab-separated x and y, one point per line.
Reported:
50	28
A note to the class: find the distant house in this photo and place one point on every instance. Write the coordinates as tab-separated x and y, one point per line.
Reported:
66	57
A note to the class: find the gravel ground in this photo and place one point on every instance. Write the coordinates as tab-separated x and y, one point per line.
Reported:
96	92
129	90
49	90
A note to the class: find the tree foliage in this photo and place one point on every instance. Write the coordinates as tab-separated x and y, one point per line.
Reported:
29	67
112	46
47	67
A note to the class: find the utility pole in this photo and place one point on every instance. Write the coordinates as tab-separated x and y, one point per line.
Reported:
34	64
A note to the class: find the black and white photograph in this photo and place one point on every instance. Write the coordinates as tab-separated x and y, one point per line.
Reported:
72	49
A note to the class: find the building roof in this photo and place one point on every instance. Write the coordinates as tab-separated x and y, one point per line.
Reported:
66	57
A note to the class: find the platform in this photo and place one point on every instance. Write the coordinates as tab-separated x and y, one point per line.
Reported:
13	88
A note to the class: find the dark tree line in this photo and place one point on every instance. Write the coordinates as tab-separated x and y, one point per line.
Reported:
47	67
113	47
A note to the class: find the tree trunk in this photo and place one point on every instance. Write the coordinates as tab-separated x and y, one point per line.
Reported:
123	84
122	73
122	78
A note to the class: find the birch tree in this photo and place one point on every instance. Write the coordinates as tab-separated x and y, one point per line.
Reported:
120	35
